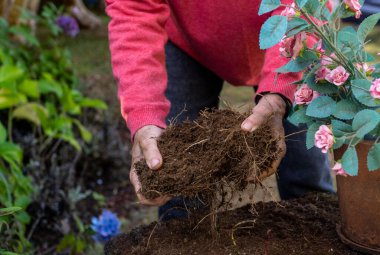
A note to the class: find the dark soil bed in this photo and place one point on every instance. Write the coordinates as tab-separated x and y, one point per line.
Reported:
299	226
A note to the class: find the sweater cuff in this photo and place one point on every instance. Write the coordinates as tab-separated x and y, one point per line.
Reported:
288	103
281	85
143	117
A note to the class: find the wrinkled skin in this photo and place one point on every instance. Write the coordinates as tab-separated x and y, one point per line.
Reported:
271	107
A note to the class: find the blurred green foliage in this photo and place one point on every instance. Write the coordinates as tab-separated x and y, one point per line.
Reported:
37	85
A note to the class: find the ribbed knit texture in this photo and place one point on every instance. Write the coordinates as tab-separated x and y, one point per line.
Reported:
222	35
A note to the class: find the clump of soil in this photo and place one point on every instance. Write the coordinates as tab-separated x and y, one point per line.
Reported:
203	155
304	226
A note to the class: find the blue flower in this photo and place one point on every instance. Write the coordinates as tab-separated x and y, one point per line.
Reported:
68	24
105	227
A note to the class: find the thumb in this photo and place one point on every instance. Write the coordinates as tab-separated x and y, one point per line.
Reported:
259	116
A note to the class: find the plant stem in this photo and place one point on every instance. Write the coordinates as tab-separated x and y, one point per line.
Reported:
340	55
10	126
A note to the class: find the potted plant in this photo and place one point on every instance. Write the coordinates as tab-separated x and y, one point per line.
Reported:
338	99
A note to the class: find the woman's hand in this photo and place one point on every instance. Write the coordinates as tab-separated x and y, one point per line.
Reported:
271	107
145	147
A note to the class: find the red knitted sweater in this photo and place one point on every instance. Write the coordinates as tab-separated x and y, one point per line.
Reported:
222	35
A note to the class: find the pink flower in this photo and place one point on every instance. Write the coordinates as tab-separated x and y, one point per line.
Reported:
338	76
291	47
338	170
304	95
289	11
321	74
354	6
368	70
375	89
323	138
286	47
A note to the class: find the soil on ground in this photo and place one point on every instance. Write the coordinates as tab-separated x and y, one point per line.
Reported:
203	155
304	226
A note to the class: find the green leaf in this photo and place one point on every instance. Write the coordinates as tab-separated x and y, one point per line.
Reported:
350	161
348	39
9	211
268	6
23	217
299	64
301	3
338	143
33	112
296	22
340	129
323	88
68	102
29	88
365	121
299	117
3	133
373	158
93	103
10	73
9	99
26	33
298	30
11	152
23	201
68	241
346	110
272	31
321	107
80	246
367	26
312	7
310	135
8	253
295	26
366	56
49	85
85	134
69	139
360	89
349	29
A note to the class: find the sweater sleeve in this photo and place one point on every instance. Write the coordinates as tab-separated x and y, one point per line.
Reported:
137	38
273	60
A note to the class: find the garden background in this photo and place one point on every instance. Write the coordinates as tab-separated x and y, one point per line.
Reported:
64	147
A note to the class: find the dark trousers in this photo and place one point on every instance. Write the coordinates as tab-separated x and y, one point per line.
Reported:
193	87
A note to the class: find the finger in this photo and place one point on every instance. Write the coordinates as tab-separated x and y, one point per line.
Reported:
151	153
255	120
259	116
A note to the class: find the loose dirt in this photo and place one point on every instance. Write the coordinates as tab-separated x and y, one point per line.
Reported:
304	226
202	156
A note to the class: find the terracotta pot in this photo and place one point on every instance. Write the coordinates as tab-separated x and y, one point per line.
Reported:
359	202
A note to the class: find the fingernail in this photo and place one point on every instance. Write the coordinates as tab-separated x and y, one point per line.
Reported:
154	163
246	126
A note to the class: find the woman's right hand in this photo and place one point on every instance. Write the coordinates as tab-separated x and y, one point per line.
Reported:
145	147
